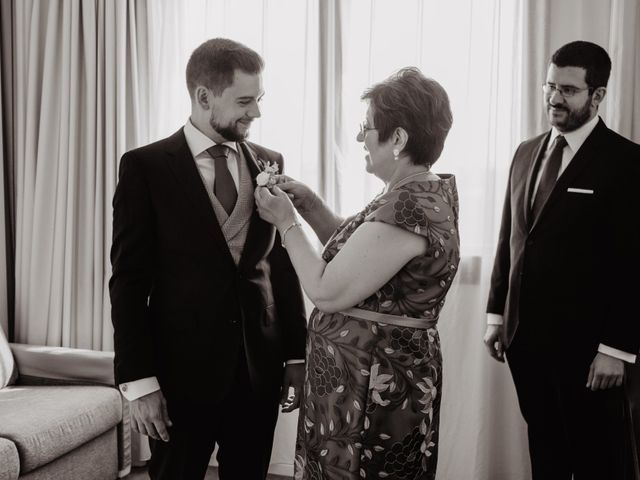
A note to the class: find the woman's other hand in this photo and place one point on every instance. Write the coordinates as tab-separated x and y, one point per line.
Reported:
303	198
275	207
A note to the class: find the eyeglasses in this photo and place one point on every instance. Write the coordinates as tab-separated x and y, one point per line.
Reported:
364	128
567	91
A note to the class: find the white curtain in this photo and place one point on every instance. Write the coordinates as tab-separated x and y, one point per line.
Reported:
78	108
474	50
94	78
320	56
6	160
4	304
286	33
612	24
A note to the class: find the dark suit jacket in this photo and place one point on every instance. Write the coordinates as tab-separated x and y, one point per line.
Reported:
573	273
181	308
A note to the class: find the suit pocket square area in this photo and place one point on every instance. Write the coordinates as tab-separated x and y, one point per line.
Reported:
580	190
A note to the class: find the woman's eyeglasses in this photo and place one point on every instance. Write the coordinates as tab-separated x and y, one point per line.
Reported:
364	128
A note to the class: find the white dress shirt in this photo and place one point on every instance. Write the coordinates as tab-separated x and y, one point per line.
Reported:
198	144
574	139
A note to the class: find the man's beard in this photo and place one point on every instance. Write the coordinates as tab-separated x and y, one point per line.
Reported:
575	118
230	131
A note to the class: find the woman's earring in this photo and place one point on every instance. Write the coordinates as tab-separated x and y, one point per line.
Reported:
396	152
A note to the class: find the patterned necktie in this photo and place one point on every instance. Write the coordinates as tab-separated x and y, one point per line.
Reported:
549	176
224	188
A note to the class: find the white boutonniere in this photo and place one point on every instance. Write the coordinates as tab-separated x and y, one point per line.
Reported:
266	178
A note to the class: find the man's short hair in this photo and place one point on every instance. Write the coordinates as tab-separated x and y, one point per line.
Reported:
419	105
213	64
593	58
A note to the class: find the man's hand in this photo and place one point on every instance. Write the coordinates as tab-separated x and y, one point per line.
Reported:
293	377
149	416
493	341
605	372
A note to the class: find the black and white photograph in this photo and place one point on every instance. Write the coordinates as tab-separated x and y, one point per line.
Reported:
319	239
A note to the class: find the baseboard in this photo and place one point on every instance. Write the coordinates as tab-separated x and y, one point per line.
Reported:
124	472
284	469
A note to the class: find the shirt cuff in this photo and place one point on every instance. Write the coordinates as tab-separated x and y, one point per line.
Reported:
139	388
294	361
615	353
494	319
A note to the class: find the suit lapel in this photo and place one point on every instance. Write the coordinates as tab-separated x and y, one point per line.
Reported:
581	160
534	165
183	165
259	230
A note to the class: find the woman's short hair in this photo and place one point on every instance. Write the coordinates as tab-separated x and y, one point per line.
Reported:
213	64
419	105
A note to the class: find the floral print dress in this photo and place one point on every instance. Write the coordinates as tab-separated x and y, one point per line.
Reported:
371	399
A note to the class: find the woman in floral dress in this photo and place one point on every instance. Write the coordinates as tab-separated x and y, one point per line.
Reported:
371	400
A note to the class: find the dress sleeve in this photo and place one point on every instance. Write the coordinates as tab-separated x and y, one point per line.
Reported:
426	209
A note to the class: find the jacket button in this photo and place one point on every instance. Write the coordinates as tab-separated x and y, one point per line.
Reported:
529	242
124	387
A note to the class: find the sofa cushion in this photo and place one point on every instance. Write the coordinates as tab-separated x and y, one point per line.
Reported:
46	422
9	461
95	460
8	370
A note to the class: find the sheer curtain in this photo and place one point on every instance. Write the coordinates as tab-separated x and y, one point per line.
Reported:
95	78
4	304
473	49
286	33
320	56
612	24
491	57
77	76
6	160
4	279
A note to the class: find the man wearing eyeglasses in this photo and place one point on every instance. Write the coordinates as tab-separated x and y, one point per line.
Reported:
562	303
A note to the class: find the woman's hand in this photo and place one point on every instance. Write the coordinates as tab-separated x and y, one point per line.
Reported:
303	198
275	207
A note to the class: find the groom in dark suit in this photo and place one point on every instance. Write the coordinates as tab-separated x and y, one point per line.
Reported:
206	306
564	289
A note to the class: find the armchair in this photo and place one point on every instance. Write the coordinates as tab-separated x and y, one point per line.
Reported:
63	418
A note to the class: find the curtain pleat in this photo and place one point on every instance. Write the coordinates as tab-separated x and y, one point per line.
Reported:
623	96
83	81
7	186
536	41
80	107
330	111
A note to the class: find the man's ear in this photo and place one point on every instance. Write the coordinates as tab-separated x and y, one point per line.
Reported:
202	97
598	95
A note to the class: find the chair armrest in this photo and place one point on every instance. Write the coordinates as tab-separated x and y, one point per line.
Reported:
40	365
65	364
